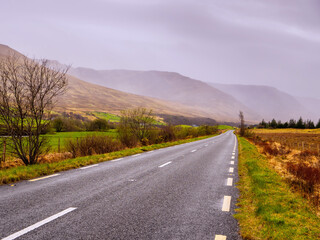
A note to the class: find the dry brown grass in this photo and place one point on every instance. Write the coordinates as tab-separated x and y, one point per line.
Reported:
299	167
300	139
48	158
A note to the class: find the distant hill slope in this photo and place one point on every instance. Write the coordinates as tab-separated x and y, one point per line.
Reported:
84	96
269	102
6	51
170	86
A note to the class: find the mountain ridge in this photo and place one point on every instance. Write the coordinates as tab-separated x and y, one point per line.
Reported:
169	86
84	96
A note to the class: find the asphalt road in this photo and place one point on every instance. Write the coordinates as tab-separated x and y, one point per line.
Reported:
182	192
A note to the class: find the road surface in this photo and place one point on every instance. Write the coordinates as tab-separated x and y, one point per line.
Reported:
182	192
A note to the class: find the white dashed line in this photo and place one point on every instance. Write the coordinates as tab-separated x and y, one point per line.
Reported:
165	164
232	162
229	181
115	160
231	170
233	157
37	179
38	224
89	166
136	155
226	203
150	151
220	237
194	150
233	153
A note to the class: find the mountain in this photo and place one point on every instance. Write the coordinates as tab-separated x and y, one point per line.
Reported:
84	96
6	51
313	105
172	87
268	102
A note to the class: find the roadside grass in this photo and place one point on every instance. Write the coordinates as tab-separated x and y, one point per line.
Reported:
268	209
15	174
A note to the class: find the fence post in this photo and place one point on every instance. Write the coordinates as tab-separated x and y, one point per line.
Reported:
58	145
4	150
302	146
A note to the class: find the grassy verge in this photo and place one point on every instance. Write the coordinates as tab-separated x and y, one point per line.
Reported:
15	174
267	207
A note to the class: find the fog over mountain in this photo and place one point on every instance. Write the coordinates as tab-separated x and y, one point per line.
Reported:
169	86
254	42
257	102
271	103
82	96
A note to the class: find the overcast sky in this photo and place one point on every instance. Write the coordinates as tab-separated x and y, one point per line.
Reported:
262	42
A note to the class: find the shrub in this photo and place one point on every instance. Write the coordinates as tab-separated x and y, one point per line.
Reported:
98	125
90	145
308	176
167	133
126	137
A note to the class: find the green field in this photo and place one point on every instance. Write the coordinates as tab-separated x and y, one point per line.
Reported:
106	116
225	127
64	136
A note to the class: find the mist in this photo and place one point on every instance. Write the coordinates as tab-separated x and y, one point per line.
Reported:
275	43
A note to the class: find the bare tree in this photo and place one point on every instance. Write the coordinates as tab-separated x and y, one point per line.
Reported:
28	91
135	124
242	126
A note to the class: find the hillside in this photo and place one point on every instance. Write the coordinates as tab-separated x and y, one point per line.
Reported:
84	96
267	101
170	86
6	50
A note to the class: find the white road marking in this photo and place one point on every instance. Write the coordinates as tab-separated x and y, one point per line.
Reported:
136	155
233	153
38	224
233	157
226	203
165	164
231	170
194	150
37	179
150	151
232	162
220	237
229	181
89	166
115	160
206	145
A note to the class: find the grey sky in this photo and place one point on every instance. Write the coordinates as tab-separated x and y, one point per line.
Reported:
263	42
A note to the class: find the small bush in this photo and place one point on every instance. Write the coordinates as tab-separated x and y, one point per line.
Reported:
307	173
90	145
98	125
127	138
307	153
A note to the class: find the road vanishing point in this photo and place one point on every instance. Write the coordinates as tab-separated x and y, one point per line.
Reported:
181	192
